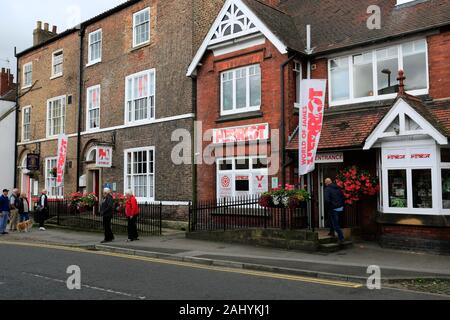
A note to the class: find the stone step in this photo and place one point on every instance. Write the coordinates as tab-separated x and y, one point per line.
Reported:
334	247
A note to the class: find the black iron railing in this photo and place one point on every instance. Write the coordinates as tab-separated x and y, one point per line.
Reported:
149	221
243	213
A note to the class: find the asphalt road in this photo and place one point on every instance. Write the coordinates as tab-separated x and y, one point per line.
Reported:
39	273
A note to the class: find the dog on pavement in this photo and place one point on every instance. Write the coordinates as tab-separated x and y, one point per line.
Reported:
25	226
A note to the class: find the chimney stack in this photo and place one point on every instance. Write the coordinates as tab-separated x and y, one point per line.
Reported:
41	35
6	81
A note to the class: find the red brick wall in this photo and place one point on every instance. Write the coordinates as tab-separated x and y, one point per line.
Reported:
418	232
439	64
208	98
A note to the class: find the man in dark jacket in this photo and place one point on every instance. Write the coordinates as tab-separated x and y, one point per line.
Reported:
334	202
42	210
106	210
4	211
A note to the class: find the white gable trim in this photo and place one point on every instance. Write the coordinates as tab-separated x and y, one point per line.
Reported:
260	26
401	109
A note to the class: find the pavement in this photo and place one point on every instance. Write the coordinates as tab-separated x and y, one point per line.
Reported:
33	271
347	265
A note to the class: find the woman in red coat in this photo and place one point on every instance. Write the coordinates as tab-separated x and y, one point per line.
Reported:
132	212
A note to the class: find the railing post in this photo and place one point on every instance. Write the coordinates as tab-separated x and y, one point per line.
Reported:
57	216
160	217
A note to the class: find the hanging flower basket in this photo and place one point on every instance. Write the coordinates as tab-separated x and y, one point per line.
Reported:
289	197
355	183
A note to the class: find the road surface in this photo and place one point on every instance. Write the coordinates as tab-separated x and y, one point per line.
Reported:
38	272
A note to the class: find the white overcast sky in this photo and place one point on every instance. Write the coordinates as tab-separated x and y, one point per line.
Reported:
18	20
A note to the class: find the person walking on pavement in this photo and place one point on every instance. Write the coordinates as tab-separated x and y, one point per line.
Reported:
4	211
132	212
334	201
14	213
106	210
24	208
42	210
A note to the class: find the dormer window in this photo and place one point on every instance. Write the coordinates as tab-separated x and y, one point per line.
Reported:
372	75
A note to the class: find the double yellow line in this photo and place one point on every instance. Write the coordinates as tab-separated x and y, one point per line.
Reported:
193	265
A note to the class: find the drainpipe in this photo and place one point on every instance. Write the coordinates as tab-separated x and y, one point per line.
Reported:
80	110
283	120
17	120
194	141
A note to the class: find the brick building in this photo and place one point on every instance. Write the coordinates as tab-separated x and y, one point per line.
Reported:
116	86
248	72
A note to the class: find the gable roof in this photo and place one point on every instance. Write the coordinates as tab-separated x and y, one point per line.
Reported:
254	11
342	24
351	129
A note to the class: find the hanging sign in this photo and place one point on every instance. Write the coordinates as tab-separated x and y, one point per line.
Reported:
61	160
311	121
33	162
104	157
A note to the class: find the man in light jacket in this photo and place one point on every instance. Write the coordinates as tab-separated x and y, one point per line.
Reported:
14	213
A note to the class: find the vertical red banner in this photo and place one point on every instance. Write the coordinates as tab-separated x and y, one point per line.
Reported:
61	160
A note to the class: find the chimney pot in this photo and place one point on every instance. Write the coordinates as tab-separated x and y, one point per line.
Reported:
55	29
46	25
39	25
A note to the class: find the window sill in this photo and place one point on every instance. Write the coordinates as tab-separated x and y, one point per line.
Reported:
139	122
88	131
240	116
140	46
27	87
56	76
423	220
93	63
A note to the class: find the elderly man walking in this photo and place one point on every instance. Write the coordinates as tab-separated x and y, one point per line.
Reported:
106	210
14	204
4	211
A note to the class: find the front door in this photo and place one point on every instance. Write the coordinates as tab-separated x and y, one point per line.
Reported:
326	171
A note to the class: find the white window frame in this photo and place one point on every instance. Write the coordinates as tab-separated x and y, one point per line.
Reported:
88	91
151	197
99	59
150	118
50	132
50	180
25	84
376	96
24	139
57	75
248	108
233	172
135	26
436	180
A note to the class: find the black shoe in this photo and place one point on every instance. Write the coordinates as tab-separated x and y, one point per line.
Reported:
5	233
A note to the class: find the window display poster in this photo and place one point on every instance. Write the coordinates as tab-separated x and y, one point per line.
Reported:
225	185
260	183
242	185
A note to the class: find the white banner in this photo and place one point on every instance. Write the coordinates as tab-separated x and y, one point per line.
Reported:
61	160
311	120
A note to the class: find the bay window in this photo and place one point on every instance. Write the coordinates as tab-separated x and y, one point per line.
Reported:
241	90
140	96
139	168
422	188
445	177
398	192
372	75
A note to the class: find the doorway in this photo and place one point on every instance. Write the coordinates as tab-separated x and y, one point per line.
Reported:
93	185
326	171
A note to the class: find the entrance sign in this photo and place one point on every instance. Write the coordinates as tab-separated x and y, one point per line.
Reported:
104	157
241	134
335	157
311	121
61	160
